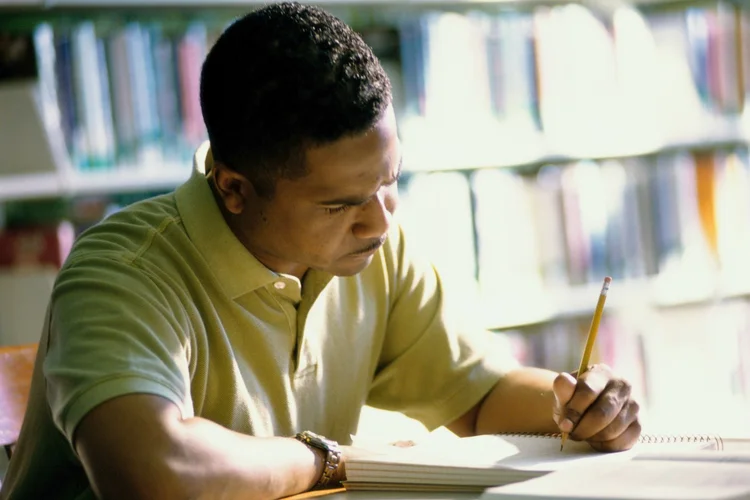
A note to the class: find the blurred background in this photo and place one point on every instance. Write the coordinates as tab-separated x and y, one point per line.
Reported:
547	145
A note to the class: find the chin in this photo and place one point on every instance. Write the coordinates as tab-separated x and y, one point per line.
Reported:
351	268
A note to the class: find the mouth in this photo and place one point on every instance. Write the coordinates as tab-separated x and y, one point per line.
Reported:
372	247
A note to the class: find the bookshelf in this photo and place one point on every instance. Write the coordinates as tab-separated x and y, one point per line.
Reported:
531	151
576	301
430	145
73	184
19	187
22	3
157	176
61	4
600	4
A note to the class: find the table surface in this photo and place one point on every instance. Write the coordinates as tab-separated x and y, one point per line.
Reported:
342	494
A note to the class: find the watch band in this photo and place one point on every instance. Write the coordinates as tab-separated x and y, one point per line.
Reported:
332	455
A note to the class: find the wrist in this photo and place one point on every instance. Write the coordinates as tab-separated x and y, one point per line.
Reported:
320	463
328	458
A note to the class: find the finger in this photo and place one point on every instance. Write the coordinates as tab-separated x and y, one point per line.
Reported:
563	387
620	424
587	390
623	442
604	410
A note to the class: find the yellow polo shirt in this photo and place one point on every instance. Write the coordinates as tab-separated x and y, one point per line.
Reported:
161	298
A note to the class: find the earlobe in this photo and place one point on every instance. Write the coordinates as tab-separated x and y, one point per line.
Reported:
232	187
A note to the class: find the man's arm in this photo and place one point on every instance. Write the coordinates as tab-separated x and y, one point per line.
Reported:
597	408
521	401
138	446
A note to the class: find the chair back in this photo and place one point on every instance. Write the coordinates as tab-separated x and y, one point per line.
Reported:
16	368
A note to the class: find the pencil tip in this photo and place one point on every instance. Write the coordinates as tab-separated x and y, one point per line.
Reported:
561	447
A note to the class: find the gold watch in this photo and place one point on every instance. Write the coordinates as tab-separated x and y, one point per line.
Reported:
332	455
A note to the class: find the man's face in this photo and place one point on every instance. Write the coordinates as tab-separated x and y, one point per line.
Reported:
334	218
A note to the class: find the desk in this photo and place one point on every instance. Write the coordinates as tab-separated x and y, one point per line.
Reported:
341	494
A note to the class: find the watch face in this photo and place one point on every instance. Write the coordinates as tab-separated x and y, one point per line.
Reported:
319	441
312	435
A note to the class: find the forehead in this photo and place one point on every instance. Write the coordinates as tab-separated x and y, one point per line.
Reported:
354	162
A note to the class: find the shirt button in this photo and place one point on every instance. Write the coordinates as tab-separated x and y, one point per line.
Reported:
279	285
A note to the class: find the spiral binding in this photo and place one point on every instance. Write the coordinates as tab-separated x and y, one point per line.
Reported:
644	438
681	438
550	435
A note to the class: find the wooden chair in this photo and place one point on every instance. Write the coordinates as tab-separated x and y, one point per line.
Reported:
16	367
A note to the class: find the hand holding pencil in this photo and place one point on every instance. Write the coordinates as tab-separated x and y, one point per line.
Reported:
594	405
591	338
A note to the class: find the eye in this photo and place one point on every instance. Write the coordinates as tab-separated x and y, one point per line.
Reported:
336	210
395	179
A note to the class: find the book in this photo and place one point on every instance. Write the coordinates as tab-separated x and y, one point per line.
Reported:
697	475
30	258
479	462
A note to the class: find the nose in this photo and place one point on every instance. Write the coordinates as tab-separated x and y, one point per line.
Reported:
375	218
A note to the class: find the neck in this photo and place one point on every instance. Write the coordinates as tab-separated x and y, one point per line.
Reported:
244	236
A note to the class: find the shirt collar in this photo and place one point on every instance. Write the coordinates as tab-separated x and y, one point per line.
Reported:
236	269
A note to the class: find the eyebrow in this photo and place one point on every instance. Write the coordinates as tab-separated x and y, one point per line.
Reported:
355	200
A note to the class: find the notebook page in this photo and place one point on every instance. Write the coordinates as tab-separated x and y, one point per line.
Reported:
494	459
514	452
480	460
486	451
634	480
541	453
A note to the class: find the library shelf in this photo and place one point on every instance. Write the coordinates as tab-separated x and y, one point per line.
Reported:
515	311
23	186
602	5
148	4
523	154
122	180
21	3
141	178
431	148
659	292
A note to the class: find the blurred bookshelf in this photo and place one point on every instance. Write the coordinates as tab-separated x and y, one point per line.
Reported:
546	144
516	4
21	3
74	184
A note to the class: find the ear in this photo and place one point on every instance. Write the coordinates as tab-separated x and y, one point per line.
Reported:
233	188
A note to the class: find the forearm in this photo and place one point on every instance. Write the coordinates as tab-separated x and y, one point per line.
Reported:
138	446
521	401
213	462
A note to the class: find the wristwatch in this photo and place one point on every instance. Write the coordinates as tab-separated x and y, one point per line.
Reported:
332	453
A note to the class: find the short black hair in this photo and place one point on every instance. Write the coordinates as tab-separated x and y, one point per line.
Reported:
284	78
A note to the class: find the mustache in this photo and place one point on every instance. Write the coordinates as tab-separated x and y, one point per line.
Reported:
372	246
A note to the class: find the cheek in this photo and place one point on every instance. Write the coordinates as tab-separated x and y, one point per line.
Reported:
327	233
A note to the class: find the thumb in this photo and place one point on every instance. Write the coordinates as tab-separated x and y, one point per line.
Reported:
563	387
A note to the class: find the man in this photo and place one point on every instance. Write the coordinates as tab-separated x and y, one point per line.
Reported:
192	336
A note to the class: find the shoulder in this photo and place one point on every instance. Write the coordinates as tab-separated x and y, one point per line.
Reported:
128	233
145	236
130	248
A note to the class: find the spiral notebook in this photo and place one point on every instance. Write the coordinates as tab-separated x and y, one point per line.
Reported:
475	463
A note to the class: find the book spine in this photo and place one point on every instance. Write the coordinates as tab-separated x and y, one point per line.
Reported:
32	247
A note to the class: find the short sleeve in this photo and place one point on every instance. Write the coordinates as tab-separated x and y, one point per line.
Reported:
435	365
113	330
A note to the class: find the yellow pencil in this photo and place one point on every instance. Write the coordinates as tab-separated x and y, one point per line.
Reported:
593	329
